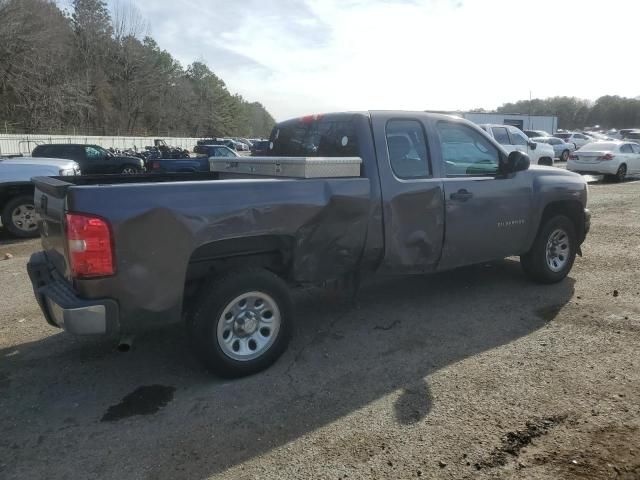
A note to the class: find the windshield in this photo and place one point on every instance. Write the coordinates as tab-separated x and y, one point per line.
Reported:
315	137
563	135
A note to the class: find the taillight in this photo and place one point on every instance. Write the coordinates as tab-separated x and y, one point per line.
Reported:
573	156
607	156
155	165
90	249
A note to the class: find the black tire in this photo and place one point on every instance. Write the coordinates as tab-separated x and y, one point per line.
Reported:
19	229
213	300
535	264
621	174
130	170
546	161
565	156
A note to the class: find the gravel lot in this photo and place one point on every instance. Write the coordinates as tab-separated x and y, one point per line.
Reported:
474	373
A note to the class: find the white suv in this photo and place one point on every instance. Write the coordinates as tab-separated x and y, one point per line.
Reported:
512	138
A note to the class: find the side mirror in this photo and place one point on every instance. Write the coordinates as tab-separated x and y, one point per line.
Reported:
517	162
533	145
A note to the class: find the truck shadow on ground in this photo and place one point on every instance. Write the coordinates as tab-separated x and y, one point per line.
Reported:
343	358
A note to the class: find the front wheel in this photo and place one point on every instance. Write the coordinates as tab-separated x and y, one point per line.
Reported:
20	218
565	156
553	252
242	322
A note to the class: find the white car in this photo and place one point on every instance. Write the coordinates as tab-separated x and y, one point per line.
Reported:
17	207
577	138
614	159
512	138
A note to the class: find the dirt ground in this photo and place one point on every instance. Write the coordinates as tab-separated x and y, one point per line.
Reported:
474	373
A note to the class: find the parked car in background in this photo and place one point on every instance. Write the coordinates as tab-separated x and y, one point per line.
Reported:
536	133
597	136
390	192
260	148
17	207
615	159
199	162
578	139
92	159
631	136
561	149
512	138
228	142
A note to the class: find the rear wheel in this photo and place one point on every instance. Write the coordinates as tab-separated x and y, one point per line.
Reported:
130	170
553	251
20	218
565	156
242	322
546	161
621	174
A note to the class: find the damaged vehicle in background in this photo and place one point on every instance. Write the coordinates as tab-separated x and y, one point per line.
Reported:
341	197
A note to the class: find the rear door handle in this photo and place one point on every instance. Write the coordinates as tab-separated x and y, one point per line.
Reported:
461	195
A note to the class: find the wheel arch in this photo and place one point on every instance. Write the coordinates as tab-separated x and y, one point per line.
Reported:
14	189
572	209
270	252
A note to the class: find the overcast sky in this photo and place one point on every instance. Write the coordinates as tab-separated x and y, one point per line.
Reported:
310	56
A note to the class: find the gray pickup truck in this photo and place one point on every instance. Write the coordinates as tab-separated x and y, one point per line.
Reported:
220	251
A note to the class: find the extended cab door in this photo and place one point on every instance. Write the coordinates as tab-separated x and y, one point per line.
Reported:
413	208
487	214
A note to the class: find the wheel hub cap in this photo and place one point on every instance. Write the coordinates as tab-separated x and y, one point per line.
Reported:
25	217
558	250
248	326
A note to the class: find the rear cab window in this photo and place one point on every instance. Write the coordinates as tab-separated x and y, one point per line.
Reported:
315	136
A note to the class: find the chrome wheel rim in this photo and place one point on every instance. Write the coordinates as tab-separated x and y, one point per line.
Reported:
25	218
622	172
558	249
128	170
248	326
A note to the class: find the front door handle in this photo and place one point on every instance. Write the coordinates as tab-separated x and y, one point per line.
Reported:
461	195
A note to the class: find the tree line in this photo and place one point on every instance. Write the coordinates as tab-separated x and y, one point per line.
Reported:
609	111
92	71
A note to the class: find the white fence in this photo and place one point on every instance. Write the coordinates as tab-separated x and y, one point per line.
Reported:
24	144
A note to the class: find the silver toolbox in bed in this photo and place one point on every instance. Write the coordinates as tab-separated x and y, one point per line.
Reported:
300	167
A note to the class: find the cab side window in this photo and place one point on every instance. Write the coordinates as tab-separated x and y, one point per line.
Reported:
407	148
93	153
501	135
518	138
466	152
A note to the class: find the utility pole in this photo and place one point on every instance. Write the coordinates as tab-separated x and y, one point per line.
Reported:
529	109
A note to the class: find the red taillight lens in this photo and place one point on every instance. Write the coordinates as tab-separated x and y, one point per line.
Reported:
155	165
607	156
573	156
90	250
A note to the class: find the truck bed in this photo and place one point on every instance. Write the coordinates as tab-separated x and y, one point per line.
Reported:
164	224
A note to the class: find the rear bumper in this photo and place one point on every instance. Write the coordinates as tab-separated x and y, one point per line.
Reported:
63	308
603	168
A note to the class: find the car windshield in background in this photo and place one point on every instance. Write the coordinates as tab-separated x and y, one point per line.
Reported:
563	135
315	137
599	146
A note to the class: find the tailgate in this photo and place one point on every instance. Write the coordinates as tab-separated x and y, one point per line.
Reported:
50	200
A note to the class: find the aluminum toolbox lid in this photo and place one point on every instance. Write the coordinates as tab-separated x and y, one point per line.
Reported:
290	160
